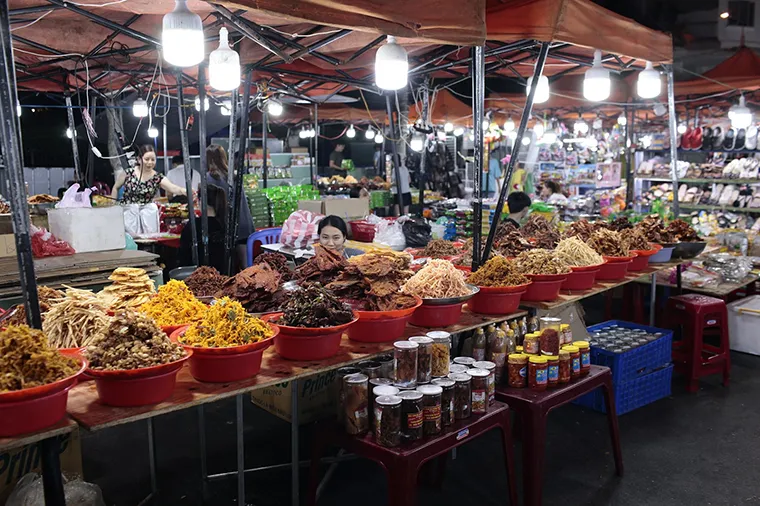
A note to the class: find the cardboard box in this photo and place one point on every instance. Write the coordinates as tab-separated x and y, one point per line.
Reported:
7	245
314	206
348	209
317	398
89	229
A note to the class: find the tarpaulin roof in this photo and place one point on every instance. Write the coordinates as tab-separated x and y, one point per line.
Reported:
445	108
739	71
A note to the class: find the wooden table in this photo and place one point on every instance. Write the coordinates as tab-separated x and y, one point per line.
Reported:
65	426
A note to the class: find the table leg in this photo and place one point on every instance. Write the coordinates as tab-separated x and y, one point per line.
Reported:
678	280
240	449
202	445
152	457
609	404
534	442
402	482
509	458
52	482
294	454
652	299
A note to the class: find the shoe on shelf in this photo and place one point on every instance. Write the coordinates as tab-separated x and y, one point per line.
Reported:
751	142
729	141
741	136
718	138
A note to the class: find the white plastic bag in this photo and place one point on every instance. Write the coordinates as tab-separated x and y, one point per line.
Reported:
29	492
390	234
300	229
74	198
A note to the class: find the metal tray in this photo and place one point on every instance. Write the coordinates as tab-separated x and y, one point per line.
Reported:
452	300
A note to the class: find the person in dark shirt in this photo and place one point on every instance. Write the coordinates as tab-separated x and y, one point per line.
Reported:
216	210
519	205
336	160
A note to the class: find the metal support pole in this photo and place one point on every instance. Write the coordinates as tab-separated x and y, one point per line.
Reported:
90	172
478	101
188	169
204	165
652	298
673	125
51	470
629	172
231	144
540	61
316	143
167	158
14	167
264	128
74	145
240	449
393	137
423	155
202	444
294	453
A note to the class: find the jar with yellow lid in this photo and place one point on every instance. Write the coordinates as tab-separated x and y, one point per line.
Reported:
530	344
585	351
553	371
519	349
538	373
566	333
517	370
575	357
565	367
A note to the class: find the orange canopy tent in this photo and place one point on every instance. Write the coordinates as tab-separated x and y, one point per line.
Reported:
741	71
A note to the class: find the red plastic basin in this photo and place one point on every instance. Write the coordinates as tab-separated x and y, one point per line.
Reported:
641	260
437	316
381	326
302	343
497	300
582	278
612	271
544	291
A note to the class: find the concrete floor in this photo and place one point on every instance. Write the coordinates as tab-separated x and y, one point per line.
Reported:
699	449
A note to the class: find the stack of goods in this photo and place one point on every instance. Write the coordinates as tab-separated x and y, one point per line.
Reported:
75	319
498	271
541	231
462	222
324	267
540	262
439	248
26	360
258	203
131	341
576	253
608	243
438	279
635	240
374	280
314	307
226	324
174	304
46	296
257	288
205	281
131	288
284	200
276	261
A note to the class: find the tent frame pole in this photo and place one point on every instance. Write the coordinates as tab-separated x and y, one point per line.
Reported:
423	159
264	129
478	101
316	143
74	145
188	168
630	112
527	111
673	126
231	143
203	169
392	138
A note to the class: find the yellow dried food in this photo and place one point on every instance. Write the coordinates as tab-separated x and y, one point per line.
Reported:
26	360
226	324
174	304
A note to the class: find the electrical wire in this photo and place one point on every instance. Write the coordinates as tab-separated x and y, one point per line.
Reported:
31	23
296	35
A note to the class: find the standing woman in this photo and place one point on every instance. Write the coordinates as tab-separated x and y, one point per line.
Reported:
141	183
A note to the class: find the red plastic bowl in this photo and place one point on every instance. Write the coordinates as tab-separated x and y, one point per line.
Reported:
381	326
170	329
611	260
222	365
547	277
641	261
612	271
582	278
28	394
302	343
544	291
497	300
437	316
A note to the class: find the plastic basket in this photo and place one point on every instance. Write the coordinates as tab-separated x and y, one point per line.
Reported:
640	360
634	394
362	231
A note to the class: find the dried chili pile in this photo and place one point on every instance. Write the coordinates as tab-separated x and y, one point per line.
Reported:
325	266
257	288
276	261
314	307
205	281
375	280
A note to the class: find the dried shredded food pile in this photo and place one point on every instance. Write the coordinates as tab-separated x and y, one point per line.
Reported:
375	280
27	361
576	253
498	271
132	341
608	243
682	231
619	224
257	288
541	231
174	304
276	261
540	261
581	228
225	324
323	267
439	279
131	288
46	297
205	281
313	307
438	248
655	231
634	239
75	319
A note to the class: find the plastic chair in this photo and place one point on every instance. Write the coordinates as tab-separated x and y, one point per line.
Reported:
263	236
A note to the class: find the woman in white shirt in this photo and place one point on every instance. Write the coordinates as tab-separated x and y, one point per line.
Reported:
550	193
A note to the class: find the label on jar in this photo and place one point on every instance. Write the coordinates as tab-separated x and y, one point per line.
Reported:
432	413
553	373
586	359
531	346
451	408
360	415
576	365
498	359
479	353
479	401
524	371
414	420
541	376
378	420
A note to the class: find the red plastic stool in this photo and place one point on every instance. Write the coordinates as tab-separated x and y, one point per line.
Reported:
700	315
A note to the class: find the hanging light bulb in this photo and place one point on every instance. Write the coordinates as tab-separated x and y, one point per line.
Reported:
391	66
549	137
509	125
442	136
206	104
471	136
302	133
152	132
596	85
224	65
18	109
369	134
416	143
274	107
225	107
681	129
485	124
458	131
542	89
312	132
622	120
597	124
351	133
646	141
512	135
740	115
140	108
448	127
379	138
182	36
580	127
69	133
648	84
525	140
591	142
538	129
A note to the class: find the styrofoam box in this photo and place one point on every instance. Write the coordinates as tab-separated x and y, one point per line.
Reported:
742	335
89	229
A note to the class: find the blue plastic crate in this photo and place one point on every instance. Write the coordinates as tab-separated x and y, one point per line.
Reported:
638	361
634	394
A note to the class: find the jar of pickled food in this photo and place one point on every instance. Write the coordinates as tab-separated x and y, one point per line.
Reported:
585	351
565	366
575	357
497	353
479	387
465	361
491	368
405	359
386	366
447	399
462	395
441	353
519	349
412	414
530	344
538	373
388	420
567	333
552	373
457	369
340	391
517	370
479	344
379	391
424	358
356	417
371	368
431	409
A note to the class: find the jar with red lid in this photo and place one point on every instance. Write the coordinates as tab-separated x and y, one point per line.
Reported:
517	370
575	357
565	367
585	351
538	368
552	374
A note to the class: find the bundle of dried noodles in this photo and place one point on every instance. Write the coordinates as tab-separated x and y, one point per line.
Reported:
576	253
540	261
76	319
439	279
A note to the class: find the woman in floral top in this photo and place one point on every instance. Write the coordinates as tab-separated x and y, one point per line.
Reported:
141	185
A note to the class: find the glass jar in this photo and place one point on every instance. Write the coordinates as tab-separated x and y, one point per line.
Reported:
465	361
491	368
537	373
479	344
514	327
441	353
479	390
424	358
457	369
379	391
411	415
553	371
523	323
356	404
567	333
386	366
549	342
497	353
585	351
565	367
370	368
533	325
447	399
462	395
549	322
575	357
388	420
405	363
431	402
511	341
517	370
340	390
530	344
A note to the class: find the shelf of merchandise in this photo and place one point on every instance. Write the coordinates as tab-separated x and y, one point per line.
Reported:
735	151
705	207
697	181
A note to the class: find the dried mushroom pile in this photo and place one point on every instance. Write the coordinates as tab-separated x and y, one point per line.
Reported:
27	361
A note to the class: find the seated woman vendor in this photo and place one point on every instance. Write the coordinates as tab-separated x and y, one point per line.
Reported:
332	235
